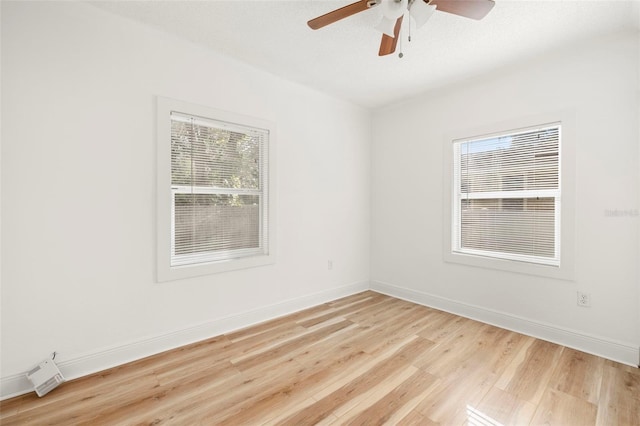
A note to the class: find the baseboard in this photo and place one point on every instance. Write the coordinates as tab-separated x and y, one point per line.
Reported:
616	351
99	360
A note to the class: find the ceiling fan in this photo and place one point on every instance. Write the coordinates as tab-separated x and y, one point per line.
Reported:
393	13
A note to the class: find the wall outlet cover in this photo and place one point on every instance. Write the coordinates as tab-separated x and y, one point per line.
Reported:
584	299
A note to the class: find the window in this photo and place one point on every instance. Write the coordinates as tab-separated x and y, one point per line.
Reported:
506	196
213	191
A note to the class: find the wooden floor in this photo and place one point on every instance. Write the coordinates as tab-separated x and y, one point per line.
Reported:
366	359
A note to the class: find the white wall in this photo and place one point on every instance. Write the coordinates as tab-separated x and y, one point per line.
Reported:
78	191
598	81
636	11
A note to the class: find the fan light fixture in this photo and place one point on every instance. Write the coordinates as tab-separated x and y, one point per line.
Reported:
394	9
386	26
421	12
391	11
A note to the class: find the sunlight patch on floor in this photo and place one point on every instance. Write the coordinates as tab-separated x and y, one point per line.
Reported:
476	417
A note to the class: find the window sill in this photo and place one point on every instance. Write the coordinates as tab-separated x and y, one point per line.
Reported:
550	271
190	271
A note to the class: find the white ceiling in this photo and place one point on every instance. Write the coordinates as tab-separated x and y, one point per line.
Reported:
341	59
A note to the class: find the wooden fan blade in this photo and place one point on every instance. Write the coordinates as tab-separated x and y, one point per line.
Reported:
388	44
338	14
474	9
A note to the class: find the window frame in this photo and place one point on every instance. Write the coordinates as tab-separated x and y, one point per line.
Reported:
166	193
565	247
458	196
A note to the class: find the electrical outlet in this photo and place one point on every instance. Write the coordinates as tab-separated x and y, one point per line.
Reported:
329	264
584	299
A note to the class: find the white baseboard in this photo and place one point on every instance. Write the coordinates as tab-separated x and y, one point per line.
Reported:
616	351
99	360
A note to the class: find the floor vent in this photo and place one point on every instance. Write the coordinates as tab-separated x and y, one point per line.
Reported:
45	377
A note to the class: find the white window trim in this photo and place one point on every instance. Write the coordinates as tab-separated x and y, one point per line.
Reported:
165	193
566	204
546	193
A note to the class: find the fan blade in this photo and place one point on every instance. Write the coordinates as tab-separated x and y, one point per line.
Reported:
388	44
474	9
338	14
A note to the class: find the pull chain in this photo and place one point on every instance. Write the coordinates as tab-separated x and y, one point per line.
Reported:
407	17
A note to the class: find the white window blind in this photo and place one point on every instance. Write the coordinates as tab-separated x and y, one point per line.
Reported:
506	200
218	189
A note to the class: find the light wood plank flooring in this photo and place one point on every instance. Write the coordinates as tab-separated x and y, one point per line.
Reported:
366	359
